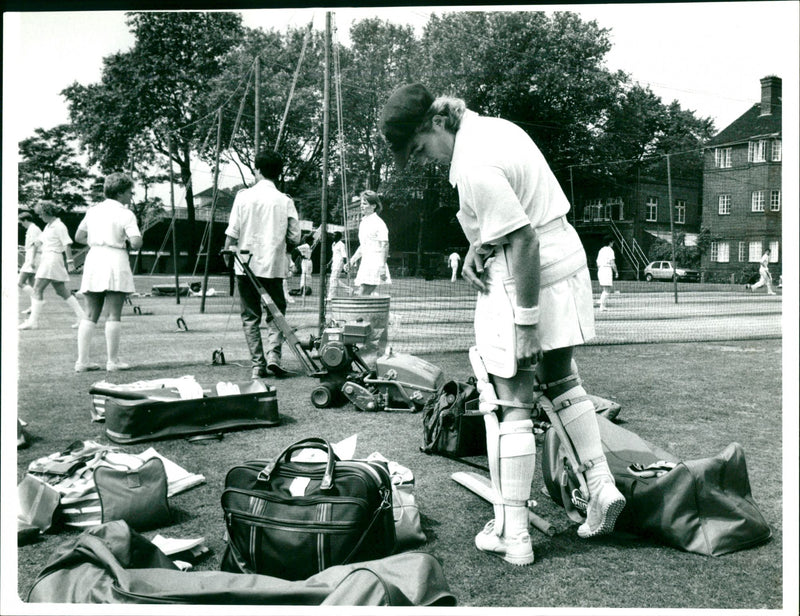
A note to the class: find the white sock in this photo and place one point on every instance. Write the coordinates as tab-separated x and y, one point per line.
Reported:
517	465
85	331
73	303
603	298
113	333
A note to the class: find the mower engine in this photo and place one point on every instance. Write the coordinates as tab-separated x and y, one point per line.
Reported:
400	382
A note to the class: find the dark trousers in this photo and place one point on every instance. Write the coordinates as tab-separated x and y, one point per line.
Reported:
252	311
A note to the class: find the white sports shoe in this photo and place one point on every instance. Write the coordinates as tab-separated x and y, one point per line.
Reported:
113	366
515	550
602	512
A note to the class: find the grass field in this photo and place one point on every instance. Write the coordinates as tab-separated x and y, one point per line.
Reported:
692	399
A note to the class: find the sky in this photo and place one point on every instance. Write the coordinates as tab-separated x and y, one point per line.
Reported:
708	56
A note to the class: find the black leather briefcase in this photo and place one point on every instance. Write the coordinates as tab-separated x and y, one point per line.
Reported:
291	519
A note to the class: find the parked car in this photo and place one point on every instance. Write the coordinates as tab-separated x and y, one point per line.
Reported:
662	270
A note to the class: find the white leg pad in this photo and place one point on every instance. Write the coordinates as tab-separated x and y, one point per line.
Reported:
517	465
493	458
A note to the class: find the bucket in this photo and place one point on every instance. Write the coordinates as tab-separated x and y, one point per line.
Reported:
372	309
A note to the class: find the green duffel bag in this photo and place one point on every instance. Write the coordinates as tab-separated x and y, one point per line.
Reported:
703	506
113	564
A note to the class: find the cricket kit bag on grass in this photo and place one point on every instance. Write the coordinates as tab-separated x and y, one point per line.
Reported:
292	519
135	415
451	423
703	506
113	564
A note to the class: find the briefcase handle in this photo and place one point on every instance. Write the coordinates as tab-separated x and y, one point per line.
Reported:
311	442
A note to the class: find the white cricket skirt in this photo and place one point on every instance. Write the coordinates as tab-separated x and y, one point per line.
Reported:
107	269
566	313
51	267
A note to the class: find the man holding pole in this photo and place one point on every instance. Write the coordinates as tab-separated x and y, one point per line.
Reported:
262	221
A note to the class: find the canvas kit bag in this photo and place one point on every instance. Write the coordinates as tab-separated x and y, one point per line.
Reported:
451	423
113	564
137	496
292	519
703	506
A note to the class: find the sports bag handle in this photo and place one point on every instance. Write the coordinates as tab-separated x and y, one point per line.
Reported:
311	442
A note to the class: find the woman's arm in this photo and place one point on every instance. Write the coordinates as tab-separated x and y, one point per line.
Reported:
525	269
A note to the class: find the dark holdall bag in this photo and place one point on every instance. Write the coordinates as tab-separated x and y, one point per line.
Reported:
293	519
703	506
113	564
451	423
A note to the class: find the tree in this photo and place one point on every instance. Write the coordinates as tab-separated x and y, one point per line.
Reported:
50	169
160	87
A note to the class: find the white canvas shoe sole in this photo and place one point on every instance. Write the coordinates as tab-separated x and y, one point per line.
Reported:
514	550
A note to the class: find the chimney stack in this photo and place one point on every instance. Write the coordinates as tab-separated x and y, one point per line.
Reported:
770	95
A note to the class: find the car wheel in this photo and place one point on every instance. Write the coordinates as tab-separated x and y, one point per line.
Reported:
648	277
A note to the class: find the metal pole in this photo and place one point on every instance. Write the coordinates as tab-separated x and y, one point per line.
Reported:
172	227
257	144
213	211
672	231
323	237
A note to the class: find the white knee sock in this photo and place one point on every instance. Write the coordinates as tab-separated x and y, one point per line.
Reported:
517	464
73	303
113	332
603	298
85	331
580	424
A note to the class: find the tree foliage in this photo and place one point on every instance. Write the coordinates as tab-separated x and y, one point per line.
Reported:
160	87
50	168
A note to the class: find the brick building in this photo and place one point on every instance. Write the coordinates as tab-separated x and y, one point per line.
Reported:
742	190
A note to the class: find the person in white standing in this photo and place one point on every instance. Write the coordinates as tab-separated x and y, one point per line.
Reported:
27	271
338	261
534	303
453	260
53	244
765	278
373	240
108	228
606	270
306	265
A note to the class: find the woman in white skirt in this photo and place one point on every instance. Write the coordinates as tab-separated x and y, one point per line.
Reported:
52	244
373	248
107	276
27	271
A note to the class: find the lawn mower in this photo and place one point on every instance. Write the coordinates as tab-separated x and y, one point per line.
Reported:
399	382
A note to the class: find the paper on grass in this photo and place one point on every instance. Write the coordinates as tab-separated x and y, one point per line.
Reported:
171	545
344	449
178	478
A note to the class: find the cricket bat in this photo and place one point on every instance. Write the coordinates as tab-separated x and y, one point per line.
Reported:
482	486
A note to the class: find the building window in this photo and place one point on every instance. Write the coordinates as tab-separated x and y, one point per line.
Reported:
742	251
757	201
776	150
724	204
757	151
774	251
722	158
775	201
720	252
615	203
592	209
680	212
652	209
755	252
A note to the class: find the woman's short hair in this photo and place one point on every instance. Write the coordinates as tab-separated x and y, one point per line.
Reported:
337	236
25	215
50	208
116	184
373	199
450	107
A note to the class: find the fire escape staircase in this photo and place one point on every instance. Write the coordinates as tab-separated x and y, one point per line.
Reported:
632	251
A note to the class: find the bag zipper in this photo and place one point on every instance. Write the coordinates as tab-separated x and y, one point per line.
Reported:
297	500
294	526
